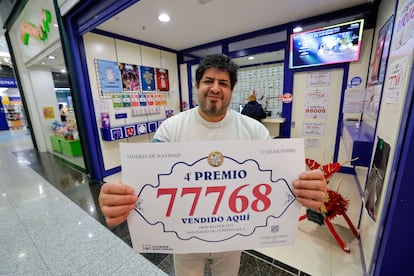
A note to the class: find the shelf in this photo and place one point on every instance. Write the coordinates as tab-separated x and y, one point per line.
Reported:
122	132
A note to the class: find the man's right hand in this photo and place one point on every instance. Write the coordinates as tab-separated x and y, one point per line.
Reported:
116	201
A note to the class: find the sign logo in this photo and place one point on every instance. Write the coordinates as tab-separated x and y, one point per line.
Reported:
38	32
287	97
215	159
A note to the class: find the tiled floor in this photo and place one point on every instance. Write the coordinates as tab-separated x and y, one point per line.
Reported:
314	253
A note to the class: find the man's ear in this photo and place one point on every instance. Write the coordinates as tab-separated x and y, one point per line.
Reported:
196	84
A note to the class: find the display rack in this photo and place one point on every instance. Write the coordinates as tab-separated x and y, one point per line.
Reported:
13	116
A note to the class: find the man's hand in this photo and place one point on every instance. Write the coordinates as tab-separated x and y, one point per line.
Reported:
310	189
116	201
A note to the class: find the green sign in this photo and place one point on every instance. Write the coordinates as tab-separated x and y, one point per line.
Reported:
38	32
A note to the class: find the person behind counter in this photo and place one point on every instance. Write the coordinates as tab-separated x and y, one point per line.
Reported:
253	109
215	77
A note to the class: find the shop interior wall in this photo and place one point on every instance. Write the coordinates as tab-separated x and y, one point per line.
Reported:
43	85
323	151
388	128
107	48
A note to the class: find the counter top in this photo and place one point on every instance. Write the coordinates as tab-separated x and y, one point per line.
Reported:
274	120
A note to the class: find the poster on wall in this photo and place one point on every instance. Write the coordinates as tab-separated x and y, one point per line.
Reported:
312	143
147	78
318	78
395	77
313	129
48	112
163	82
130	77
353	101
404	27
378	66
109	76
316	104
375	183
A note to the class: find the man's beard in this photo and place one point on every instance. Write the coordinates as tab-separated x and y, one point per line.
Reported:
213	108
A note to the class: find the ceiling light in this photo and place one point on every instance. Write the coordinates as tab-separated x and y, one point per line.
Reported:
251	58
297	29
164	17
51	57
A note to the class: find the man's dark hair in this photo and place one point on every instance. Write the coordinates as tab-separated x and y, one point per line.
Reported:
219	61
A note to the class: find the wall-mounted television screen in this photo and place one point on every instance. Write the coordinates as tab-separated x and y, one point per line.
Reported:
333	44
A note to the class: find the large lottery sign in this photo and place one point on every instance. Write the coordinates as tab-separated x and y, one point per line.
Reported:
212	196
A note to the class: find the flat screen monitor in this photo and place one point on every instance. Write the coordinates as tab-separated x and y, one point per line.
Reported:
332	44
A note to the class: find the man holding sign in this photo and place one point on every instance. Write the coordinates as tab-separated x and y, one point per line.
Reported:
216	77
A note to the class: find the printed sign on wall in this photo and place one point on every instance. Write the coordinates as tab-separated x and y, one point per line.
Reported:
130	77
147	78
109	76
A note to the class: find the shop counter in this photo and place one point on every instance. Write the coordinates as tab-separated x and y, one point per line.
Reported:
273	125
65	146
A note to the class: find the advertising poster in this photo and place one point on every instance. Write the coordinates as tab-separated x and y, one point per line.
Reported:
318	78
130	77
316	104
377	68
163	82
313	129
312	143
353	100
404	27
48	112
396	71
211	196
147	78
109	76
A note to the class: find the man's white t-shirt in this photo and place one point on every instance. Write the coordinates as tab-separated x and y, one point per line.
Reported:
190	126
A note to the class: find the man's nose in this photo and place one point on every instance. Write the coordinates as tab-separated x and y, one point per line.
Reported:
215	86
